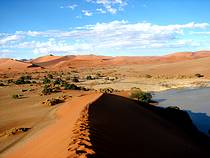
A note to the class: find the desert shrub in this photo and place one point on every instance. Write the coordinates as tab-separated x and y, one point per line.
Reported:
47	90
141	96
27	77
2	84
107	90
58	81
46	80
84	89
34	82
24	90
68	86
19	81
98	74
111	78
75	79
17	96
53	101
89	77
74	71
107	78
10	81
199	75
68	78
27	82
23	80
148	76
50	76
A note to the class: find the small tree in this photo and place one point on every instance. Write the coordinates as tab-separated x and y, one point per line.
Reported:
141	96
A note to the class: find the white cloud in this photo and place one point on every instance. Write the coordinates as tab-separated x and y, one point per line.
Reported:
87	13
5	52
72	7
53	46
200	33
104	37
9	38
111	6
100	10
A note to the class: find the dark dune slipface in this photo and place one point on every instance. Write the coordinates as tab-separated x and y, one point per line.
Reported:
119	127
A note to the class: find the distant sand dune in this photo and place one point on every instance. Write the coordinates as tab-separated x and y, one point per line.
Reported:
177	63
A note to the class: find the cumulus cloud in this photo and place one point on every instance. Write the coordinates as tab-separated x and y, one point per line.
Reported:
53	46
105	37
9	38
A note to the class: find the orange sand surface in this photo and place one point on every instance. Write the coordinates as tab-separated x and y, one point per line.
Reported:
53	141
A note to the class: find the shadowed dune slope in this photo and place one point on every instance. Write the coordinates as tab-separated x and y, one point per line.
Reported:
119	127
45	59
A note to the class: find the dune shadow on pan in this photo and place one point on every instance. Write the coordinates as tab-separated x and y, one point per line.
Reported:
201	120
121	127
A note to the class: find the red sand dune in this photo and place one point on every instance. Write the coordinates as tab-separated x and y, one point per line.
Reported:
53	141
45	59
93	60
12	65
117	127
85	61
188	67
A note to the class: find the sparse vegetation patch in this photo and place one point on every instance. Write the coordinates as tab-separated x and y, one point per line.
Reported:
23	80
107	90
199	75
17	96
14	131
54	101
141	96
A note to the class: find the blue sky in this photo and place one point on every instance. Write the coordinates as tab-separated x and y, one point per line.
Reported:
31	28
